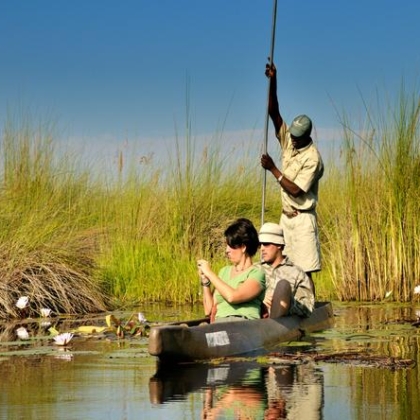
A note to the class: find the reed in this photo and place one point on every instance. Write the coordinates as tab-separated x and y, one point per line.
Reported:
171	219
47	240
370	229
80	241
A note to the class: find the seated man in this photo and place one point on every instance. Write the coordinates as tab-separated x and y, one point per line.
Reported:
289	289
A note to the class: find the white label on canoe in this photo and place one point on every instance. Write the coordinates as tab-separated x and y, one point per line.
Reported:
219	374
219	338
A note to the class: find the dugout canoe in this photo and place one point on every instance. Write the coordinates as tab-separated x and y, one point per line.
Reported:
200	340
173	382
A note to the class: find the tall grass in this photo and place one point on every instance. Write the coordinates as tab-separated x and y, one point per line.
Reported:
80	241
370	207
47	240
169	219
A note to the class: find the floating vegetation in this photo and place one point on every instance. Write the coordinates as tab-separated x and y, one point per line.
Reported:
22	302
45	312
136	325
22	333
63	339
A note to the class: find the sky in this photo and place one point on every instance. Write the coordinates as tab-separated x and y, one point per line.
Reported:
110	74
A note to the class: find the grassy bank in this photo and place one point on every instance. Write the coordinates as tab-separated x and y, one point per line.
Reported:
79	241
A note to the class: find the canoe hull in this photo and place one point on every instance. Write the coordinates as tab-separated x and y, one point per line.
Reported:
200	340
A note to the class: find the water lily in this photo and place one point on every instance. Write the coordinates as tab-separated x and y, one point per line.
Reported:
141	317
45	312
388	294
22	302
63	339
22	333
417	290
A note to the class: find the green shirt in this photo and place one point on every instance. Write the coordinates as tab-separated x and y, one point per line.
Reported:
250	309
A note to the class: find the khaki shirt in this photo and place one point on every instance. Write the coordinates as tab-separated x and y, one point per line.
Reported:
302	166
303	298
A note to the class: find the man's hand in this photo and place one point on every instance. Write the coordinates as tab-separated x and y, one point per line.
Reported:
268	300
267	162
270	70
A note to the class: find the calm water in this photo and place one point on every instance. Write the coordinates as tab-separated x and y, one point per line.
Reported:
100	377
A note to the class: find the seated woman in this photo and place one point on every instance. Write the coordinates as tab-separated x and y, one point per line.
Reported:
238	288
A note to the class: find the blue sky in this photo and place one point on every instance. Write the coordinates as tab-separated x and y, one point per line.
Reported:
112	72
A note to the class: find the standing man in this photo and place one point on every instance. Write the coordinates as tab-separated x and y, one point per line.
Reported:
289	289
302	168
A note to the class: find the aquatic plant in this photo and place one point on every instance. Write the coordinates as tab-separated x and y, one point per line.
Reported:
80	242
135	325
141	318
369	204
47	240
63	339
22	302
22	333
45	312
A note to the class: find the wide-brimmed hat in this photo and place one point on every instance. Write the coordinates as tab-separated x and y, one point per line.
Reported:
271	233
301	126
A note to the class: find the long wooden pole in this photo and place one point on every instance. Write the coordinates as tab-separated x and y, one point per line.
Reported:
273	37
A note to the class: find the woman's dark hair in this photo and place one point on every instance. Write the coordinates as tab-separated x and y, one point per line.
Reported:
243	232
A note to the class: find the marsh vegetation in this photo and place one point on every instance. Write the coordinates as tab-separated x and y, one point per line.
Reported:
79	241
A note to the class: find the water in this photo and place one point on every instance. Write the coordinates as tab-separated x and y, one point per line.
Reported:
101	377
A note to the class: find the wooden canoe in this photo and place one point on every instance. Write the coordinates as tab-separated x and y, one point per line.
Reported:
200	340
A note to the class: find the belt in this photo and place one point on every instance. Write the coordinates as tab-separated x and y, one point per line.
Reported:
295	212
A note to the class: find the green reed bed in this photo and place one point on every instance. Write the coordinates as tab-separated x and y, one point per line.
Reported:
78	241
170	219
369	208
48	242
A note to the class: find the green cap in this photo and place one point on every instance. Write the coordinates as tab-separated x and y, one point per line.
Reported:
301	126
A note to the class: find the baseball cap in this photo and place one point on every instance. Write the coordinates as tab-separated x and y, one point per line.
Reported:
271	233
301	126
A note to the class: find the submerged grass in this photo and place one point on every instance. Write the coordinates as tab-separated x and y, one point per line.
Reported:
78	241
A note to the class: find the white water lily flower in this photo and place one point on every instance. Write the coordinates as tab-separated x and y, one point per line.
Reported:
388	294
22	333
417	290
63	339
22	302
141	317
45	312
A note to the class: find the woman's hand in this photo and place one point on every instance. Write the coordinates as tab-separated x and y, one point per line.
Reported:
204	268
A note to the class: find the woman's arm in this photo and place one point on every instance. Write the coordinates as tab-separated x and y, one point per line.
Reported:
247	291
207	300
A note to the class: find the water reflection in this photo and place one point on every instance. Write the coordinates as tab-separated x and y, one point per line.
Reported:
244	390
103	377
